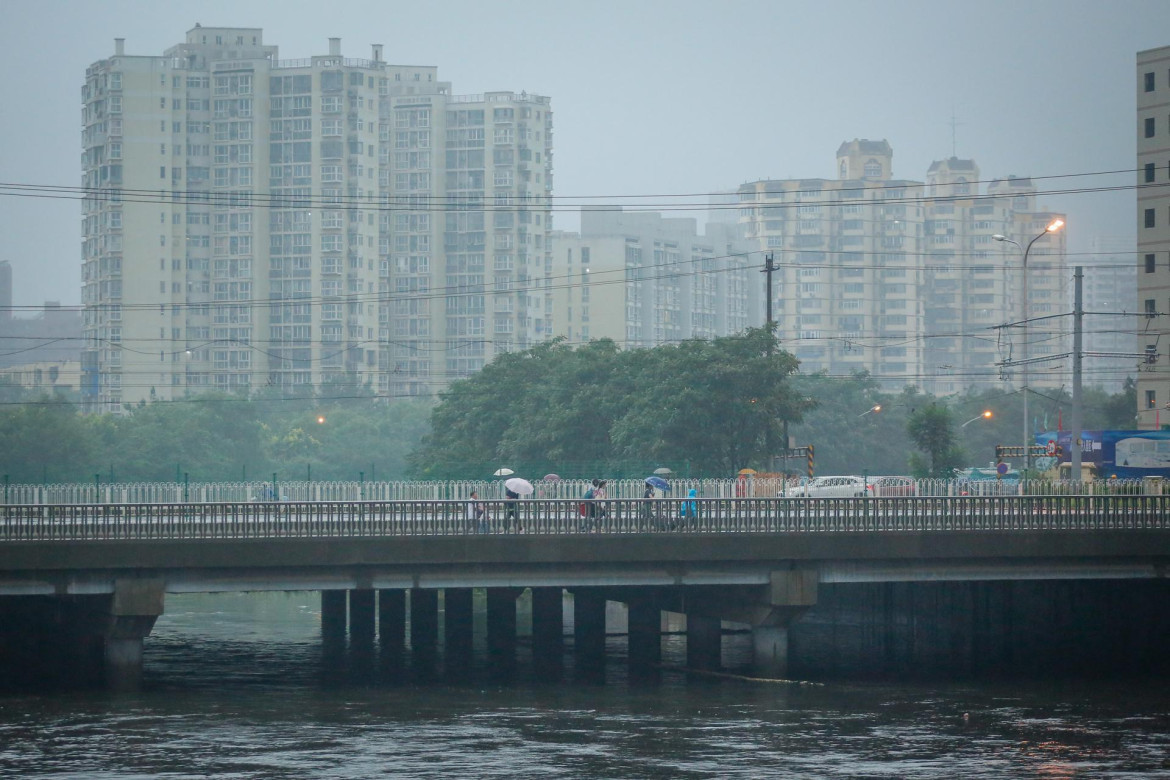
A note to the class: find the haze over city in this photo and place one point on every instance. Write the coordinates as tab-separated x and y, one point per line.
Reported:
654	98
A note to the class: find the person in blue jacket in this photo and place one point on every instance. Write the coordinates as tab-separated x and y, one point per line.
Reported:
689	508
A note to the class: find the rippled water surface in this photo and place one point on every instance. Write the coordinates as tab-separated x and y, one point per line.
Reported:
239	687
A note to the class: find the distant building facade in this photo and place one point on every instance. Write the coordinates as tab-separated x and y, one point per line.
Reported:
258	222
51	335
53	378
903	279
5	290
1153	230
643	280
1109	296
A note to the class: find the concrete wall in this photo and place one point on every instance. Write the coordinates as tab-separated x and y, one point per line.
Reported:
990	628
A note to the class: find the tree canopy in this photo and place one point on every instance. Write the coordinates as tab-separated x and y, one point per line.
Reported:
698	407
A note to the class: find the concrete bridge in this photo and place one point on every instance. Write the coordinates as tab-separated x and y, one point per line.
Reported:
816	580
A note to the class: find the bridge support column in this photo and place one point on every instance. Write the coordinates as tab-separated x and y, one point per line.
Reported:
770	651
361	616
362	608
790	594
589	630
392	627
501	628
135	607
458	630
645	633
424	629
548	630
704	642
333	617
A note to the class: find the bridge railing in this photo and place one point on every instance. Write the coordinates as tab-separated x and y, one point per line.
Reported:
328	519
766	487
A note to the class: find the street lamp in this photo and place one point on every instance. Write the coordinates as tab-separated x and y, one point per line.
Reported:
874	408
986	415
1053	226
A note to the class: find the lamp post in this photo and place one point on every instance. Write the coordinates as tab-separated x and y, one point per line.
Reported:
986	415
874	408
1052	227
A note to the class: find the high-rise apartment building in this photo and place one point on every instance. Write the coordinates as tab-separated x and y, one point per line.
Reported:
903	279
1108	295
1153	231
251	221
643	280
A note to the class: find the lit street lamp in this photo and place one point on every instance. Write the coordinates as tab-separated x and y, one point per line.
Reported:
874	408
1053	226
986	415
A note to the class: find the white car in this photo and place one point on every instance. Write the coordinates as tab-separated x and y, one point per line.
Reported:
828	487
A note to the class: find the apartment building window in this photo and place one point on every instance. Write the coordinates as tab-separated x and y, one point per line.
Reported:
1151	399
1149	218
1149	82
1149	127
1150	265
1150	307
1149	171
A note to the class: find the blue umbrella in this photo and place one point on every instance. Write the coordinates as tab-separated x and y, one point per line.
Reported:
658	482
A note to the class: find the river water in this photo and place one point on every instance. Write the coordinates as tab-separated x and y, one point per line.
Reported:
238	686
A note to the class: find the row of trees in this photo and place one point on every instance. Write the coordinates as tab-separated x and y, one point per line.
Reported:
700	408
918	433
210	438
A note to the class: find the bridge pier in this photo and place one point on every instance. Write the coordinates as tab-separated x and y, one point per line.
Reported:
458	631
333	617
134	608
548	630
645	633
704	642
501	629
361	617
424	629
362	629
589	630
392	628
770	651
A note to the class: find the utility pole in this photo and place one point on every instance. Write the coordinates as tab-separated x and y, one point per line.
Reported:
769	267
1078	317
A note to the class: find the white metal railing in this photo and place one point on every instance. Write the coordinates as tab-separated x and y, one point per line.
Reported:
454	490
352	519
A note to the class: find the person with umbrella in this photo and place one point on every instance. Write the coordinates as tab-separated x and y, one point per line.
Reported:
592	510
513	489
654	483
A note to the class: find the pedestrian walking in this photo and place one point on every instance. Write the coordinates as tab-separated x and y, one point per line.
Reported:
511	501
476	513
689	509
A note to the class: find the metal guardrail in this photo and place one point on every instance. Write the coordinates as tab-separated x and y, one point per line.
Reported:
357	519
766	487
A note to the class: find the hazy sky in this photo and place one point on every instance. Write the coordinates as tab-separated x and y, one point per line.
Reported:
650	96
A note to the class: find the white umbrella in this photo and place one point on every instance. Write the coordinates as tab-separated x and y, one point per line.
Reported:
503	472
521	486
663	470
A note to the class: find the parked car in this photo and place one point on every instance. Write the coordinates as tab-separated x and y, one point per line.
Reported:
828	487
893	486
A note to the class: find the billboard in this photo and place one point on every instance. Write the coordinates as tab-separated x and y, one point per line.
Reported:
1119	454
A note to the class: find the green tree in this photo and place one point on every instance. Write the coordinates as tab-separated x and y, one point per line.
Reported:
717	404
45	439
712	404
930	429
